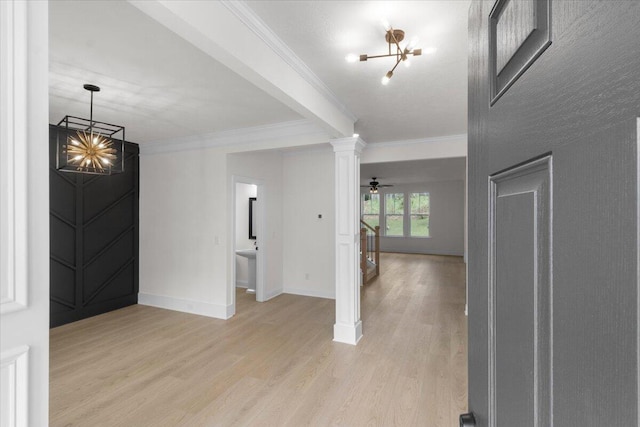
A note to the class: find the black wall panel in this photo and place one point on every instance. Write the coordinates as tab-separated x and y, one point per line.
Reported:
94	239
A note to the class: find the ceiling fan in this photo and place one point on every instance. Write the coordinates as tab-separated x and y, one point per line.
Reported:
374	185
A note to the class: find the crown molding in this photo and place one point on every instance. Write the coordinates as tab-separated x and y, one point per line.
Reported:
248	17
295	128
433	140
307	150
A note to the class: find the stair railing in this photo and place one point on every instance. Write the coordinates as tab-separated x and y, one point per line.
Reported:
369	251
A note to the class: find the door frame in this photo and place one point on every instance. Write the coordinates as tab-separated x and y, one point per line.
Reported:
261	258
24	202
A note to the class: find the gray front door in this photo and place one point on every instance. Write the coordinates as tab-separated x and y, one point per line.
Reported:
554	101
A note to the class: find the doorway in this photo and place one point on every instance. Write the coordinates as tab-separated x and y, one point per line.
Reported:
249	228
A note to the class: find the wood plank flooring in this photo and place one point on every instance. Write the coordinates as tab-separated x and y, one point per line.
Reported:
274	363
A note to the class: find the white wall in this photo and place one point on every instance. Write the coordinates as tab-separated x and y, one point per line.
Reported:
185	228
243	192
184	231
309	242
186	249
446	220
265	166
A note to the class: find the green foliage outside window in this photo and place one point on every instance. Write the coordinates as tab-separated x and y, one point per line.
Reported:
371	209
394	214
419	211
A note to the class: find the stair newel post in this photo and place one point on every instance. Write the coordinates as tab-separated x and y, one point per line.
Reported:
377	240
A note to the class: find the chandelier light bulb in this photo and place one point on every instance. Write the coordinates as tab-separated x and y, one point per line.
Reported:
430	50
412	43
91	151
387	77
352	58
407	63
385	24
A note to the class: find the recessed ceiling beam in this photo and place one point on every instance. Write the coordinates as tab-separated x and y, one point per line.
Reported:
220	30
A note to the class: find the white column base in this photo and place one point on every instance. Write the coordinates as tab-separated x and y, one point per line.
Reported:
346	333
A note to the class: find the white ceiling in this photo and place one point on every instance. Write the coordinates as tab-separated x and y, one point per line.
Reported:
153	82
429	99
160	87
414	171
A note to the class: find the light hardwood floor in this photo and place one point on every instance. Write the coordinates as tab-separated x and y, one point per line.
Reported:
274	363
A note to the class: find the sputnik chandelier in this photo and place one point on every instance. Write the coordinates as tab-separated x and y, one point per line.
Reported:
393	38
89	146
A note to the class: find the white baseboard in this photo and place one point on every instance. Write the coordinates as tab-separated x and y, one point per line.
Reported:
422	252
329	294
218	311
242	284
272	294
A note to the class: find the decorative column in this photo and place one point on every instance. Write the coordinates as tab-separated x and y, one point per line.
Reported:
348	326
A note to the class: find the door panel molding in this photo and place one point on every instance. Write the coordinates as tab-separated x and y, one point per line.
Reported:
14	386
13	156
519	31
520	205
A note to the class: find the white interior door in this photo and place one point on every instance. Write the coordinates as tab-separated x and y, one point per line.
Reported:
24	207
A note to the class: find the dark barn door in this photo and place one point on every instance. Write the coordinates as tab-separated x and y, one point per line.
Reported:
94	239
554	101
